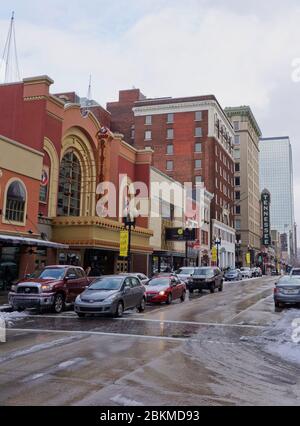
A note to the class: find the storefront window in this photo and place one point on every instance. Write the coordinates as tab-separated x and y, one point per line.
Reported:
9	266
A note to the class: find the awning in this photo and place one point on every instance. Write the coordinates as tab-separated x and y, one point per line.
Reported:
31	242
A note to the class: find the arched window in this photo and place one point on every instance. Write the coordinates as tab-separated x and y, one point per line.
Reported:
69	186
15	202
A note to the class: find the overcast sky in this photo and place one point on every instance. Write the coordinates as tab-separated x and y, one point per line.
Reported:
240	51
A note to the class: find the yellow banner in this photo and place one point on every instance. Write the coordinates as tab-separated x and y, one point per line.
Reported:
124	242
248	259
214	254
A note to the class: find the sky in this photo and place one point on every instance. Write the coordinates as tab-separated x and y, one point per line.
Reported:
245	53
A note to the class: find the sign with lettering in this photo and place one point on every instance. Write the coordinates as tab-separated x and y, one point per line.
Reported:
124	243
266	203
181	234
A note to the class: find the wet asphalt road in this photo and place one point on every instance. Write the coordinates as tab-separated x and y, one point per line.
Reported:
191	353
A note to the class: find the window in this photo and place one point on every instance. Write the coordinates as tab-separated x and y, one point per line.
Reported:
237	154
237	181
237	140
198	179
198	132
170	118
170	166
237	224
237	209
198	147
236	126
69	190
237	167
148	120
237	195
132	132
170	134
148	135
198	164
15	202
198	116
170	149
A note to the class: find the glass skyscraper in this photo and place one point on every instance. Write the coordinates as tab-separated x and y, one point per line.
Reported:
276	175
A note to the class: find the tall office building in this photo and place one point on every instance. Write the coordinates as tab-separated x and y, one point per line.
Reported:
276	175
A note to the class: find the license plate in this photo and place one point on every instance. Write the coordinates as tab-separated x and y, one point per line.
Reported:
291	291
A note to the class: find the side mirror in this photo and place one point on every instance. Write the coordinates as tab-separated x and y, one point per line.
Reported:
127	289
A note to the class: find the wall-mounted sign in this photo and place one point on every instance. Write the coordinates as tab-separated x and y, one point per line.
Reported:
124	243
180	234
44	184
266	203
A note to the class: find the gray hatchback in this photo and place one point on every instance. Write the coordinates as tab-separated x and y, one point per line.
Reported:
111	295
287	291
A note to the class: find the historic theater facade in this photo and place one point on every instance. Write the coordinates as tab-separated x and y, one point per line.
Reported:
53	155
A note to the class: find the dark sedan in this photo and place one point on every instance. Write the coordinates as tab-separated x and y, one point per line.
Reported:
111	295
287	291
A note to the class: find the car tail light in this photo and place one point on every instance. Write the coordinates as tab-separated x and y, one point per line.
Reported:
276	290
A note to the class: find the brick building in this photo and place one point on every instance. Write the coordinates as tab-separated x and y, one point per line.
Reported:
50	165
192	139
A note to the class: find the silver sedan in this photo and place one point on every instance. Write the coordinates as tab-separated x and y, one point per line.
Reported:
287	291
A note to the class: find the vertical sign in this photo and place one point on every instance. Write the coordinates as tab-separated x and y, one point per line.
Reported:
124	243
266	202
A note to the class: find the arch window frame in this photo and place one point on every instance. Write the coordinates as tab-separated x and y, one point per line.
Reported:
18	220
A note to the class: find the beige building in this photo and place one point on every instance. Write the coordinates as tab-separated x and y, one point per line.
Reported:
247	188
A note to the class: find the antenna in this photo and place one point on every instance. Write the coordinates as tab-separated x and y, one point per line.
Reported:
10	64
89	94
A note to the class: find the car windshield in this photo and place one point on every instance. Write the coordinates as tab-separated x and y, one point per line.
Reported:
107	284
245	269
50	274
289	281
185	271
159	282
296	272
203	271
232	271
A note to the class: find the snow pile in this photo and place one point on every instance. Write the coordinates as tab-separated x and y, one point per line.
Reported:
11	317
122	401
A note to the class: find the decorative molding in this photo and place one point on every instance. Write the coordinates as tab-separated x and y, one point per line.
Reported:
35	98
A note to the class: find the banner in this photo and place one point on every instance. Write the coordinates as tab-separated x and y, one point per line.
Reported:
124	243
214	254
248	259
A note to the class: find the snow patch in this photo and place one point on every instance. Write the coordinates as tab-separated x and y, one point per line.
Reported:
70	363
124	402
11	317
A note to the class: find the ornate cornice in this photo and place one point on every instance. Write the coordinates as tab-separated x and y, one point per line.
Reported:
244	111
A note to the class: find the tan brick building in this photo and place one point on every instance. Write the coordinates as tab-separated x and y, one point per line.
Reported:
247	188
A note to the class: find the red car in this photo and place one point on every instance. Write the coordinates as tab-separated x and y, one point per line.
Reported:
165	289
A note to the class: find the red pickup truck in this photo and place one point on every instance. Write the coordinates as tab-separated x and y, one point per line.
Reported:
52	288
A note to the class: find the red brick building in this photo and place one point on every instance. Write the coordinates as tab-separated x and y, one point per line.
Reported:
50	165
192	140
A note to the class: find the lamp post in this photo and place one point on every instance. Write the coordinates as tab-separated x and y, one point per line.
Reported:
129	223
238	245
187	238
218	243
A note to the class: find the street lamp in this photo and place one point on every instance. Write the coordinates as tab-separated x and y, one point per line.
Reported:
129	223
188	229
238	244
218	243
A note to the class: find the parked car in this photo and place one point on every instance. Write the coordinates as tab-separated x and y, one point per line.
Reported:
233	275
165	289
257	272
111	295
184	274
287	291
206	278
295	272
52	288
142	277
246	272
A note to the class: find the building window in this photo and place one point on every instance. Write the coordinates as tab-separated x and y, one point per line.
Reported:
198	147
148	120
238	224
237	181
237	195
170	134
170	149
198	132
198	116
15	202
237	167
237	209
237	140
132	132
198	164
69	186
236	126
148	135
170	166
198	179
237	154
170	118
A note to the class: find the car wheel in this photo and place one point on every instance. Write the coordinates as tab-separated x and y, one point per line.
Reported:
120	310
170	299
221	288
80	315
278	305
213	288
141	308
183	297
58	304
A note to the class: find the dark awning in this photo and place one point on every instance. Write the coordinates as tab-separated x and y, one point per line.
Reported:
31	242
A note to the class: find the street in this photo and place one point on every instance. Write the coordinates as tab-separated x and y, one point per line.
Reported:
227	348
